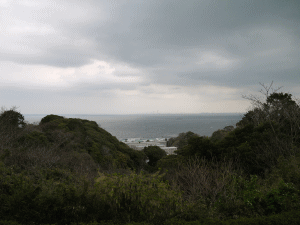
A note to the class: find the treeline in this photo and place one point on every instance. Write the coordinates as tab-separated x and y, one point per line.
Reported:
71	171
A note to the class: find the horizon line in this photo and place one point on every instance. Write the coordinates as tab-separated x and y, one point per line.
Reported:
128	114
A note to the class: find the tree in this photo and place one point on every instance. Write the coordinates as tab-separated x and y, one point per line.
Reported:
11	124
275	122
182	139
221	133
200	147
276	107
280	106
11	118
154	153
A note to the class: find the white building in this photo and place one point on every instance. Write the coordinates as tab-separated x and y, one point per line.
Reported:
140	144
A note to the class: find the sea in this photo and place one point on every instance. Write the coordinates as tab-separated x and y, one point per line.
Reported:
154	125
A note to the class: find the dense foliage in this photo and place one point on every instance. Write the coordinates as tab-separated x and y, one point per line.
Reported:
71	171
154	154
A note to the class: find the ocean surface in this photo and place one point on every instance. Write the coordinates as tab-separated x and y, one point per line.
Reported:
154	125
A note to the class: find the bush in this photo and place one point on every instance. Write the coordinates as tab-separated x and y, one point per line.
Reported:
50	118
287	218
46	197
288	169
11	118
253	197
154	153
138	197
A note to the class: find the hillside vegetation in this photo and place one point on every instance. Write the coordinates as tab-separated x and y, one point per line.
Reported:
71	171
80	146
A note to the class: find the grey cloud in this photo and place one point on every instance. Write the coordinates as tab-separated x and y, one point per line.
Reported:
57	57
164	38
171	24
163	35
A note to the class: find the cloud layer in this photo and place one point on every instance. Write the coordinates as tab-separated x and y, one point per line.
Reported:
118	56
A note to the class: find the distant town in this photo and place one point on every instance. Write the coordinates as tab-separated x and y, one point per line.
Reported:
141	143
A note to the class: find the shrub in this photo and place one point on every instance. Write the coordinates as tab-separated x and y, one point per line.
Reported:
46	197
253	197
12	118
138	197
50	118
154	153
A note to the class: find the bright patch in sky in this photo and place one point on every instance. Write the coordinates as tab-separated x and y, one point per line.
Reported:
39	76
211	60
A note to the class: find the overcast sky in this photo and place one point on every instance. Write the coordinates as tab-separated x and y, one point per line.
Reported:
134	56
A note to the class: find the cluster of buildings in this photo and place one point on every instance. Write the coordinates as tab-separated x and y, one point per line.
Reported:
141	143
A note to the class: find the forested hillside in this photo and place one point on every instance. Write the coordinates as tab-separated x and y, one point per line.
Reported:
57	142
71	171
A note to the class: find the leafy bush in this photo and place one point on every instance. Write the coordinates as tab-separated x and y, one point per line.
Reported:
287	218
11	118
288	169
34	138
46	197
182	140
50	118
199	147
253	197
221	133
138	197
154	153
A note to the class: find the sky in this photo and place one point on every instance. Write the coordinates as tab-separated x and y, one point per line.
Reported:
156	56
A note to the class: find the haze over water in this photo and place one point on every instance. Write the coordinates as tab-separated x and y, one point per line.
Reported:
155	125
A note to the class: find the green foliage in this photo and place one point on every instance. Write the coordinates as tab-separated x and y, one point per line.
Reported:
48	197
220	134
287	218
252	117
34	138
256	147
283	197
47	172
17	196
11	118
277	107
255	198
50	118
87	136
138	197
280	100
170	162
154	153
6	222
198	146
287	169
182	140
